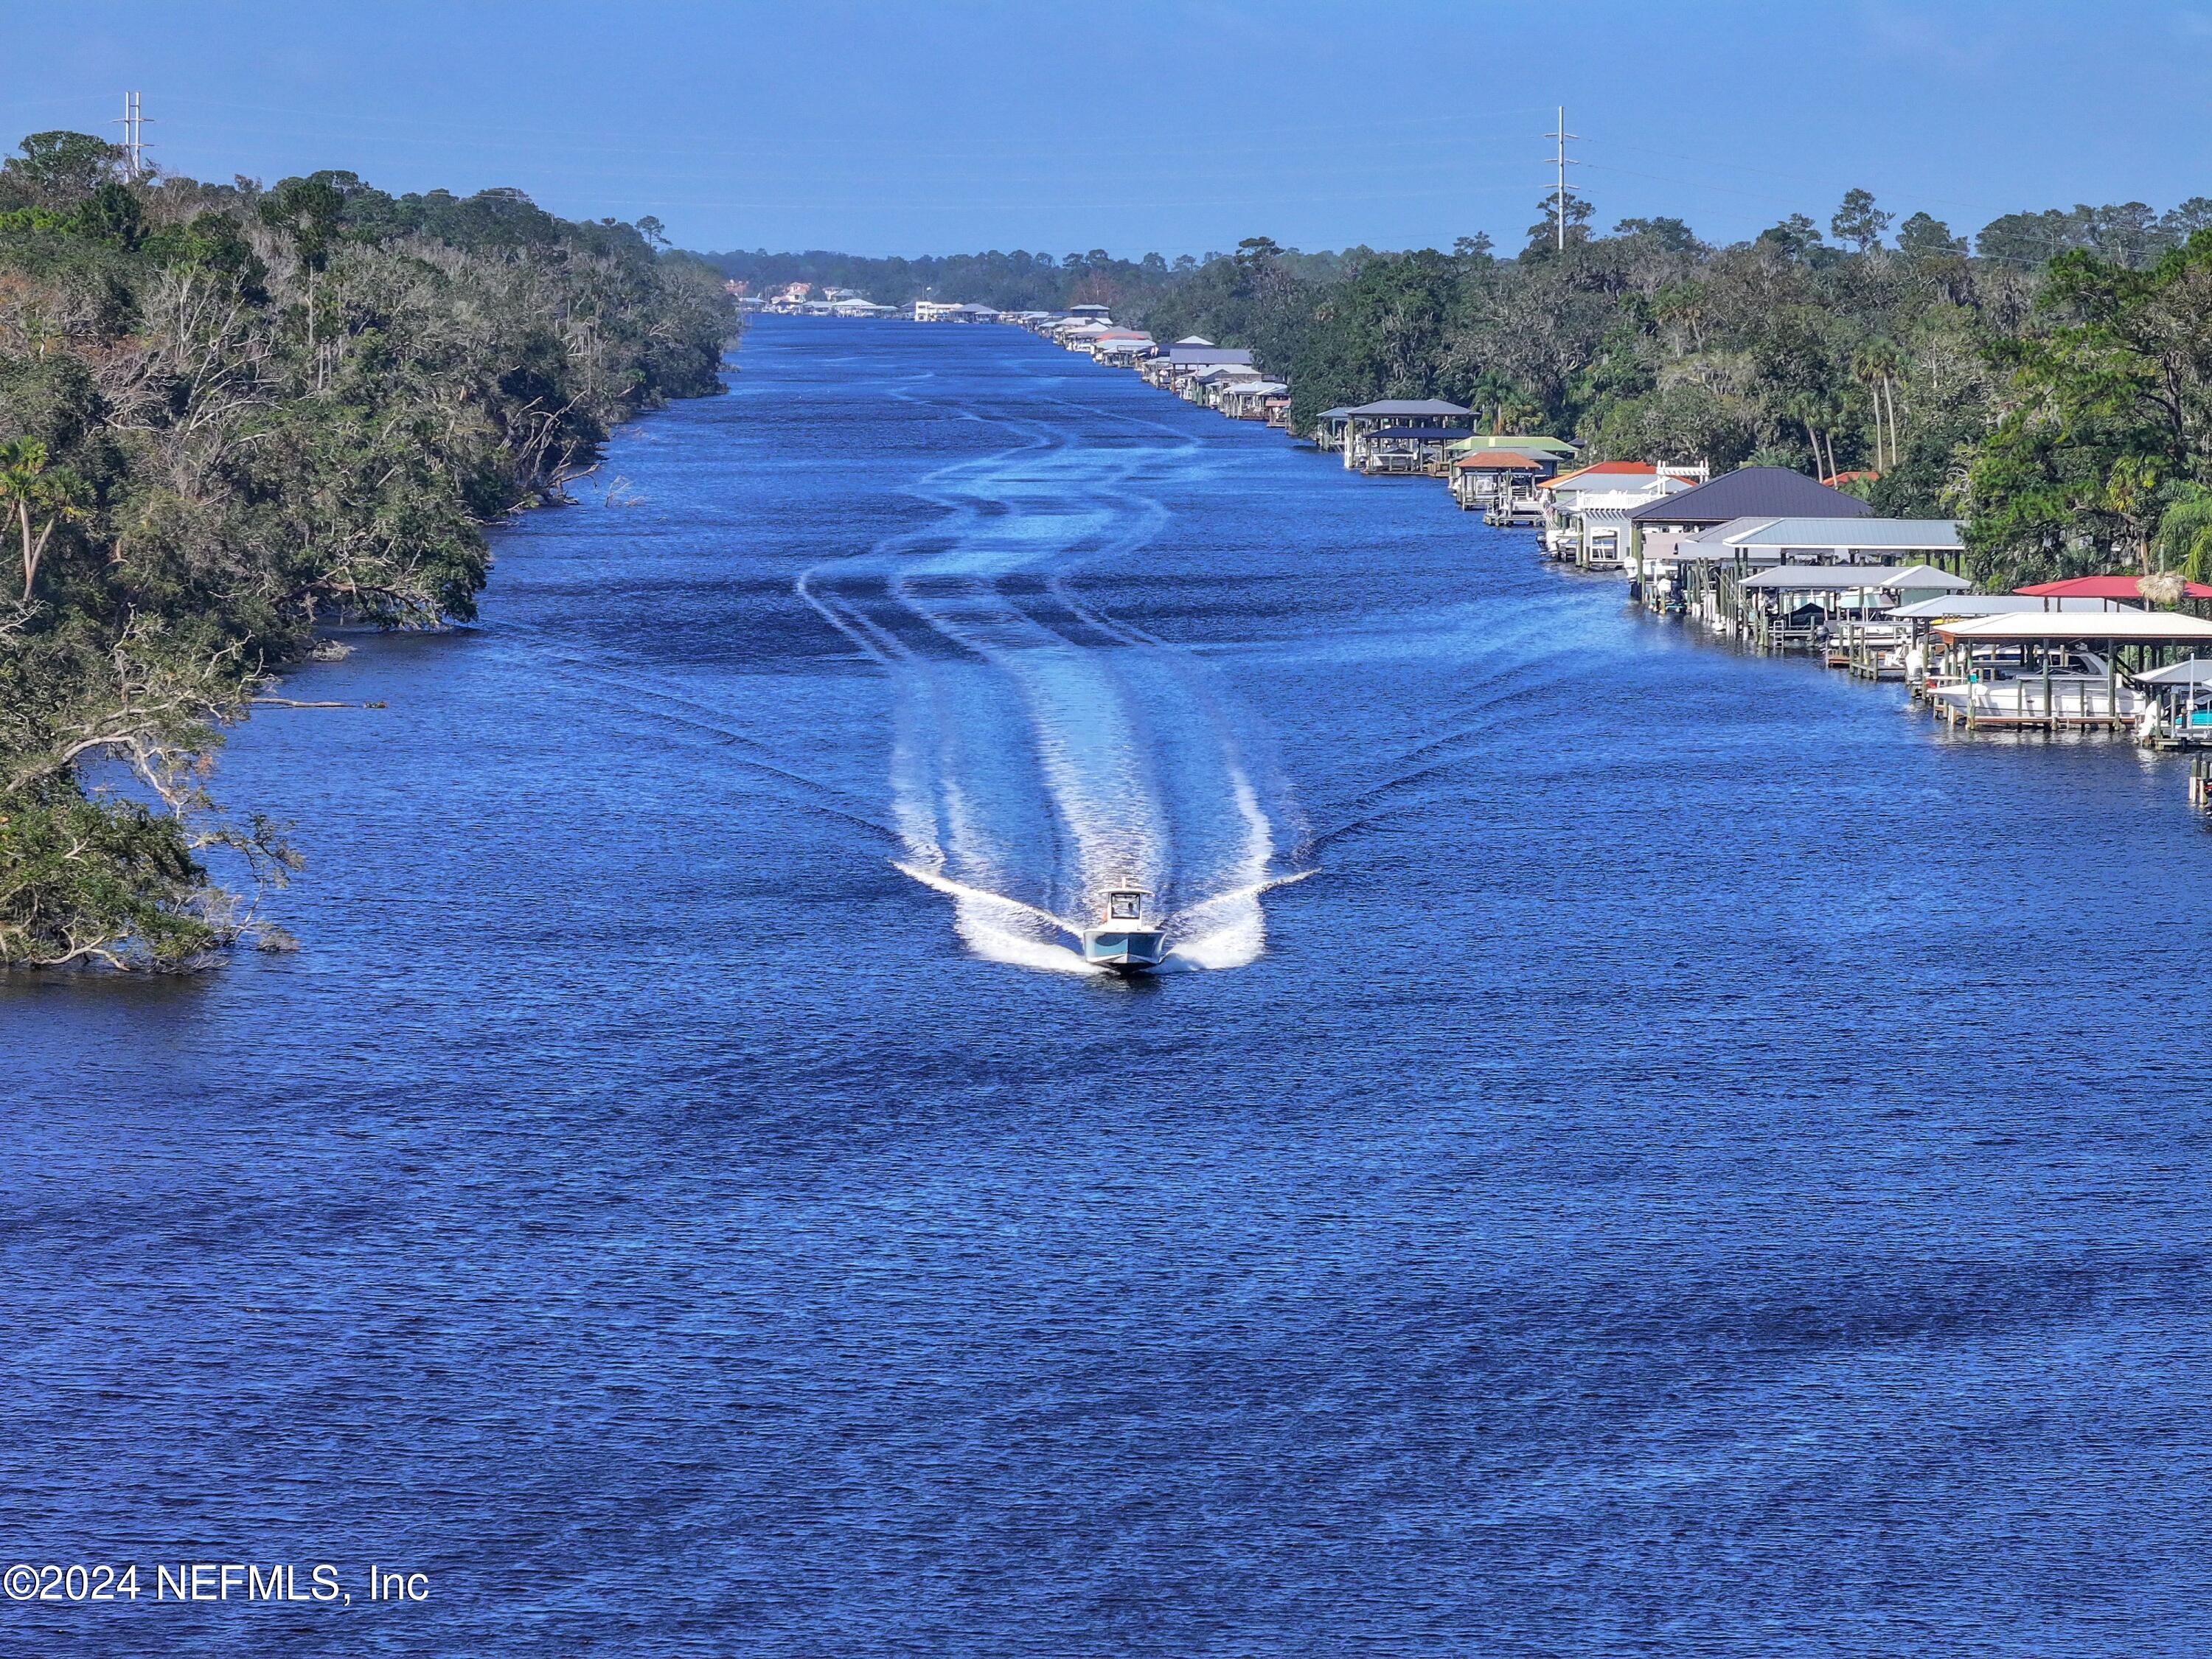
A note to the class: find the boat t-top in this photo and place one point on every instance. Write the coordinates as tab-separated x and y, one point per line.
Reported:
1125	942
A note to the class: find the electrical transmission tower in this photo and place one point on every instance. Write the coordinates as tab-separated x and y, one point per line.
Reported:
1562	162
134	137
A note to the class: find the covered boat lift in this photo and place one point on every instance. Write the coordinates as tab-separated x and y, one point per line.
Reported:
1802	607
2180	712
1498	482
2053	671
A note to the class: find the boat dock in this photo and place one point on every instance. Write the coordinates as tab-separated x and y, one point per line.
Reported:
1764	558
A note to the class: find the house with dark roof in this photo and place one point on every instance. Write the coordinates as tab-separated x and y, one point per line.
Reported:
1749	492
1173	368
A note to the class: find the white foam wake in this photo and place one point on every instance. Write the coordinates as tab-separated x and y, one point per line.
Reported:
1043	753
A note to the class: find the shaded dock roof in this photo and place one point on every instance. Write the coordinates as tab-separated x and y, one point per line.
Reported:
1962	605
1412	406
1848	578
1887	535
2104	587
2064	627
1753	492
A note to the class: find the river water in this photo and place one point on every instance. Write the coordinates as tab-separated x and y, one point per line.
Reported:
1647	1152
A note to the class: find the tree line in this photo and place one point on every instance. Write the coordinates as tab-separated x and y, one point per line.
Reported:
2052	385
1020	280
229	416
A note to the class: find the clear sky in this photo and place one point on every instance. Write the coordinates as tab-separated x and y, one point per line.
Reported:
1174	125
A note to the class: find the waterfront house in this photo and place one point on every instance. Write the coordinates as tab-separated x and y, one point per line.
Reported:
1173	366
1760	492
1585	513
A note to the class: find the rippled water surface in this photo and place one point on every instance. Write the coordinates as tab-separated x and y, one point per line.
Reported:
1650	1152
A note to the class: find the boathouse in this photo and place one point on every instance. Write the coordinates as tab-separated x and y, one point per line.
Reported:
1251	400
2055	669
1791	607
1419	430
933	311
2178	710
1500	484
1329	429
1204	386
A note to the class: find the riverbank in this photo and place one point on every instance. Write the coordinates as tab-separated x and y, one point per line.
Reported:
237	416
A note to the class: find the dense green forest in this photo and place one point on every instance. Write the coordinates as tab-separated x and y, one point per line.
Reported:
231	415
2053	386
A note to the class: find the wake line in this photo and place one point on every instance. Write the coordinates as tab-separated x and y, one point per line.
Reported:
1043	752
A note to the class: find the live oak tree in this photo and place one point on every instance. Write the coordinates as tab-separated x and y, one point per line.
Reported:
2104	423
230	416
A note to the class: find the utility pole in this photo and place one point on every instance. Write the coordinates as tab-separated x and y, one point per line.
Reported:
1560	203
134	137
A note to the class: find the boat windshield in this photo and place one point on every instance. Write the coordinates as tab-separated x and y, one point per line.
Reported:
1124	906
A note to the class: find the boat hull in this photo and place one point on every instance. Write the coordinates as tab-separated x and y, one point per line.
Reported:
1125	950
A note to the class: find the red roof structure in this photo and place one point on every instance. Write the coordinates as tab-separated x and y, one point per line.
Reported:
1499	460
2104	587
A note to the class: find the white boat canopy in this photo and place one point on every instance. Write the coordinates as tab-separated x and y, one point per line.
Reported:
2064	628
2196	671
1833	578
1962	605
1927	578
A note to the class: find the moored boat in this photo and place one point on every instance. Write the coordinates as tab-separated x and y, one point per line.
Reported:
1126	942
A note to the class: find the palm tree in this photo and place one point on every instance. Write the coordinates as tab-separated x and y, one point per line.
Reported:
1875	367
2131	496
37	492
2185	534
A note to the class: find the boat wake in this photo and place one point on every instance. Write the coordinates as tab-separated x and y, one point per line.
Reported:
1043	753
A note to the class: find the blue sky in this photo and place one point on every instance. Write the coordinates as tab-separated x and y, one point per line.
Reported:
1175	125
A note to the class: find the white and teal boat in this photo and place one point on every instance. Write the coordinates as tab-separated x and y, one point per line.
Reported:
1125	942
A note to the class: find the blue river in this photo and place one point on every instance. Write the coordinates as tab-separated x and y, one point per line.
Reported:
1645	1150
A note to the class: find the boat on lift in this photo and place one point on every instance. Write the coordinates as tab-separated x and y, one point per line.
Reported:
1126	942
